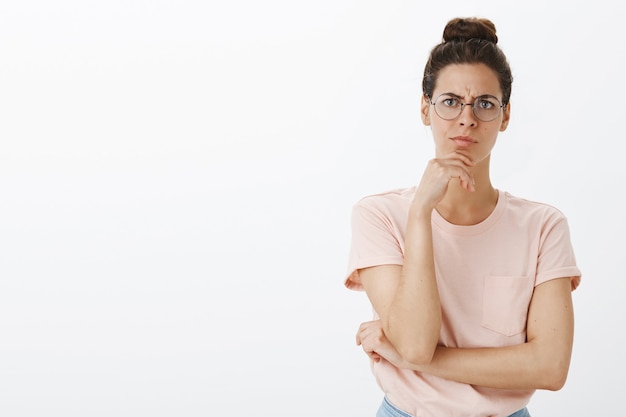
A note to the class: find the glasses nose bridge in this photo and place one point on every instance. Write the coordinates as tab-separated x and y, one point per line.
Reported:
471	106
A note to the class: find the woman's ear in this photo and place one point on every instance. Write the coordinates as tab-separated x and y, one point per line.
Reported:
506	116
425	110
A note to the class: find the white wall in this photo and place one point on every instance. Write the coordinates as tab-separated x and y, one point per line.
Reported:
177	179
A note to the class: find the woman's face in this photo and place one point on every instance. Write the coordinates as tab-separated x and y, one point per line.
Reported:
466	133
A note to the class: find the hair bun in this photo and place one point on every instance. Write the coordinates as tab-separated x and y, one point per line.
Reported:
463	29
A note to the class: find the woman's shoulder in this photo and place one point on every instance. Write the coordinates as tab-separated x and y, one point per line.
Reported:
392	204
388	197
532	207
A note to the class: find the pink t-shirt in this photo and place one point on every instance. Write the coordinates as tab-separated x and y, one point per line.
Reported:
485	274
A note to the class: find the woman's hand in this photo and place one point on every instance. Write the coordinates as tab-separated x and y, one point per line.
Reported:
375	344
437	175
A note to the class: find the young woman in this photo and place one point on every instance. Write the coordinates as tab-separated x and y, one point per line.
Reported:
470	285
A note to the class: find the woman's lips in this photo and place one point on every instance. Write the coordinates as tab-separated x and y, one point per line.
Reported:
463	141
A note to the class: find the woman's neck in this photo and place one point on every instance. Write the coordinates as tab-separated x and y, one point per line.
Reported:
463	207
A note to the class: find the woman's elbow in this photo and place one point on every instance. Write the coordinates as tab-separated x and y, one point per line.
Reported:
418	354
417	348
553	377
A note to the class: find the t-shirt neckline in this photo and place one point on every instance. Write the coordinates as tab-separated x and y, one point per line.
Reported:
474	229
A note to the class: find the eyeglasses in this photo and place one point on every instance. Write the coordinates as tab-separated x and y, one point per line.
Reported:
448	106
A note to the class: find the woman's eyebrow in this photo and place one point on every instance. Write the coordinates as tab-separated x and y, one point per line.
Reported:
475	97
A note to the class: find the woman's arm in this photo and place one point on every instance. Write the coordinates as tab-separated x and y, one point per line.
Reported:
540	363
406	297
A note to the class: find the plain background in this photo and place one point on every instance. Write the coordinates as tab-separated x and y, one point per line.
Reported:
176	180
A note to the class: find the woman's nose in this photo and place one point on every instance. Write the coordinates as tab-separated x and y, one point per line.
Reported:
467	117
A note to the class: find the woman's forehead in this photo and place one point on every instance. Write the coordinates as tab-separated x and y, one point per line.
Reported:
468	80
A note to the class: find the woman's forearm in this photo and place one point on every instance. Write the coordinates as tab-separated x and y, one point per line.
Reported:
413	320
512	367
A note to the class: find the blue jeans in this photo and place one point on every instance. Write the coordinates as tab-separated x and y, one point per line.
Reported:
389	410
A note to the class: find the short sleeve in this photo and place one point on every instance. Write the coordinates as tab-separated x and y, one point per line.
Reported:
556	254
374	242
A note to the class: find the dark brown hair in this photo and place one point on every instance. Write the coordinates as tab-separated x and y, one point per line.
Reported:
468	41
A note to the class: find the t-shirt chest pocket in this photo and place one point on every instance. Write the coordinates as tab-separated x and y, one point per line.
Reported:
505	303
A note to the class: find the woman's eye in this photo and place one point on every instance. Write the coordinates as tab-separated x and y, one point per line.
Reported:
485	104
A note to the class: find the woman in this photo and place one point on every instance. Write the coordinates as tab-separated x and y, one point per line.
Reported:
470	285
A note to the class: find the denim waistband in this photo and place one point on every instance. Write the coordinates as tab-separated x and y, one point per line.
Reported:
389	410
